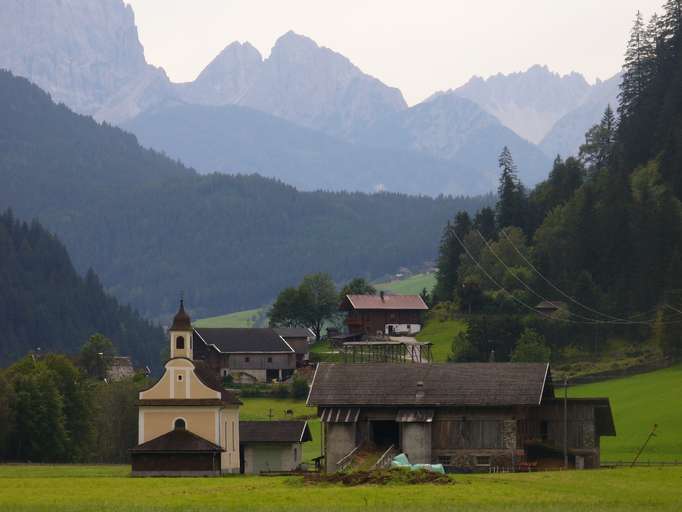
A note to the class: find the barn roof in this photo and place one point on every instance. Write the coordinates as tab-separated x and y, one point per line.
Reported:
178	440
274	432
293	332
385	301
243	340
462	384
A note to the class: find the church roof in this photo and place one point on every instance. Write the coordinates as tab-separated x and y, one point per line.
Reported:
181	320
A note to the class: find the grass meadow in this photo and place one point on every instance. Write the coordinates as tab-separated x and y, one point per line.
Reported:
109	489
412	285
639	402
441	334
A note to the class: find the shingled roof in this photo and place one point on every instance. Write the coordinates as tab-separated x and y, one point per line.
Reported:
462	384
274	432
294	332
385	301
243	340
178	440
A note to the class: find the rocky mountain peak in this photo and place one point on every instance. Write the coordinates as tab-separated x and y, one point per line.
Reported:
227	77
85	54
528	102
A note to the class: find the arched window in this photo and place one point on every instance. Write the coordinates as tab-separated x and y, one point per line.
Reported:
180	424
180	343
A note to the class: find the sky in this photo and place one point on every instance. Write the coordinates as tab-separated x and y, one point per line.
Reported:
419	46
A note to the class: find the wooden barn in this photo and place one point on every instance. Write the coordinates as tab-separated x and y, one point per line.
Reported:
248	355
473	416
298	338
384	314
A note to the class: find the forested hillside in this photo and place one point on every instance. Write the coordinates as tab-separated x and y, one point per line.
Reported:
603	234
151	228
45	303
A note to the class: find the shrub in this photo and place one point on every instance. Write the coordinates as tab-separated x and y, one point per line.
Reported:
299	388
531	348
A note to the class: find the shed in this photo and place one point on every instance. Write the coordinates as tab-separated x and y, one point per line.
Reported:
176	453
268	446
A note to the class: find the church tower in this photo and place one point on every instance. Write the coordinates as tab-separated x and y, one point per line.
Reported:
181	334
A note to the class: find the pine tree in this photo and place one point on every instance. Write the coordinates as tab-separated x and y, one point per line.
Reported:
484	221
635	75
596	151
449	257
511	195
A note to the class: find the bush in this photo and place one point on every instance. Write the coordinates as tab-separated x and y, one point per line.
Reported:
531	348
280	391
299	388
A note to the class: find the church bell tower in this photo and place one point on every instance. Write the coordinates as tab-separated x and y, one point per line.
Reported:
181	343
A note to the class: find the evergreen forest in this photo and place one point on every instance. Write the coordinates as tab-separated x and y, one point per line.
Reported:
46	306
601	237
152	228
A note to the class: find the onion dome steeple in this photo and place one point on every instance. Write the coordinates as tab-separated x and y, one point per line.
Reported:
181	320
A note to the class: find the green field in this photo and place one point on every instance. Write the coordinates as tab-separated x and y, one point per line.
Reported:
246	318
441	335
637	403
412	285
108	489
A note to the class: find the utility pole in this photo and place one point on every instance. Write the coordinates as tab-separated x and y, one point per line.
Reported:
651	434
565	422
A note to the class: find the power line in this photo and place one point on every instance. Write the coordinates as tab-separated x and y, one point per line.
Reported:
519	301
575	301
527	286
534	310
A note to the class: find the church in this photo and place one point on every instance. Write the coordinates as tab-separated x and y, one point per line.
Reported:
188	425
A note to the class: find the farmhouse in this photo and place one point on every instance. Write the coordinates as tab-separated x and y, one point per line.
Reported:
186	425
268	446
247	355
464	416
383	314
298	338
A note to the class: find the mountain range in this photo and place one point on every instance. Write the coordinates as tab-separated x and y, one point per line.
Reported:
151	227
88	55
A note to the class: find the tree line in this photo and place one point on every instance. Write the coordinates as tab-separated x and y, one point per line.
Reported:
59	408
46	304
602	235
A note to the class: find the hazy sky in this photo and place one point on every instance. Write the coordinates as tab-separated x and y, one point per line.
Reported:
420	46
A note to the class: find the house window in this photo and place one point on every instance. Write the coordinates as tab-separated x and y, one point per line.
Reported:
482	460
180	343
269	359
180	377
444	459
180	424
224	373
247	359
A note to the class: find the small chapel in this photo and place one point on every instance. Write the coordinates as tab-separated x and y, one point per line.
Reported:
188	425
